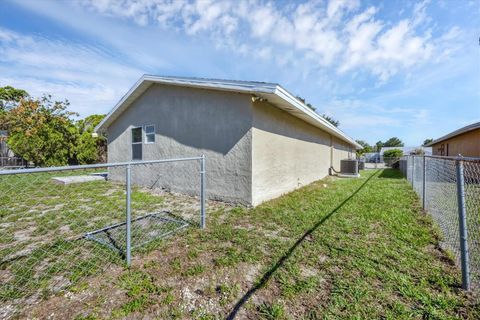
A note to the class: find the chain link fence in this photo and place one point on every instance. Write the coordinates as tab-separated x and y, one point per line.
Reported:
12	162
59	226
449	189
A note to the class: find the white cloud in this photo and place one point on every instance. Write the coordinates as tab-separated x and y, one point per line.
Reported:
87	76
384	51
335	8
420	13
324	34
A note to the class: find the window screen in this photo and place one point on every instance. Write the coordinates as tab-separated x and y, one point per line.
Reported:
150	134
137	143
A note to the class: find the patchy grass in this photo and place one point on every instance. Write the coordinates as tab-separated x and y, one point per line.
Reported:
338	248
43	250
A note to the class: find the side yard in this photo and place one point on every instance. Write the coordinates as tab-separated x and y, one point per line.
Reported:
338	248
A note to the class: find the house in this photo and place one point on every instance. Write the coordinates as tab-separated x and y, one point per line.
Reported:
464	141
258	139
371	157
5	152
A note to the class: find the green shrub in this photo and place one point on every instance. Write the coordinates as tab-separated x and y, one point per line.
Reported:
393	153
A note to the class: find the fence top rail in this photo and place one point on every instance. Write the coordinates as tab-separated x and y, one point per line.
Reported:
99	165
453	158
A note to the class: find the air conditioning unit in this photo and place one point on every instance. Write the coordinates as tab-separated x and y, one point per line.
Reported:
349	168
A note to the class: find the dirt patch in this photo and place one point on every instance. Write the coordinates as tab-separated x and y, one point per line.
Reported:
24	235
307	271
274	234
98	292
5	225
21	253
7	311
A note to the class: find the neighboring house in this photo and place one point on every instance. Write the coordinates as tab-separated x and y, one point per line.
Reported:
464	141
408	150
371	157
258	139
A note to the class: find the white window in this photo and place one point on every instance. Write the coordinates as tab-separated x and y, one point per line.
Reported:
150	134
137	143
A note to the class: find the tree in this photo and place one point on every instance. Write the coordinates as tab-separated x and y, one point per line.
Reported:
418	152
42	131
378	146
366	148
336	123
90	149
393	153
306	103
10	96
427	141
393	142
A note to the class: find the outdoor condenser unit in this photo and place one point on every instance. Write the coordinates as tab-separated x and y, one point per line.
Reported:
349	168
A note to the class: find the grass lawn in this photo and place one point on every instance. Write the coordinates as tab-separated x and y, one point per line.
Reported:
338	248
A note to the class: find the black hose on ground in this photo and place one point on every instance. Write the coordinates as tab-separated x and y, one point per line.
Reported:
333	172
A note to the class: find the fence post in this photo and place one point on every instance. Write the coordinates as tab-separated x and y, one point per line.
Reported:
462	219
202	192
424	183
413	170
128	252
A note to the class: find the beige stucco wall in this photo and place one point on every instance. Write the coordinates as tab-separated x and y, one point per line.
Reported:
189	122
467	144
288	153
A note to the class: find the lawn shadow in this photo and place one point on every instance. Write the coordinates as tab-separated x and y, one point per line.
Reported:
266	277
390	173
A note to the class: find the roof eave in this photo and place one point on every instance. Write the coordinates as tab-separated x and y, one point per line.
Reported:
326	125
471	127
189	82
101	127
255	88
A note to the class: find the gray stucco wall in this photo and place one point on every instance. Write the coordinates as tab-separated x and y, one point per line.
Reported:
287	152
254	151
341	150
190	122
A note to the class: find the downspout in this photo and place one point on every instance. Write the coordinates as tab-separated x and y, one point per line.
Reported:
331	169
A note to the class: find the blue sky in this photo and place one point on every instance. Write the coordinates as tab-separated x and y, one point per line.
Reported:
396	68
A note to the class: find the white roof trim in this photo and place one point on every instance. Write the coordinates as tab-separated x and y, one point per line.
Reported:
299	110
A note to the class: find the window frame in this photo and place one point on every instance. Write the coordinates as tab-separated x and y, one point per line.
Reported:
151	133
137	143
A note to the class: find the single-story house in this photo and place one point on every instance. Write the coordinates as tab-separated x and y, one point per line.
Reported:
464	141
5	151
258	139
